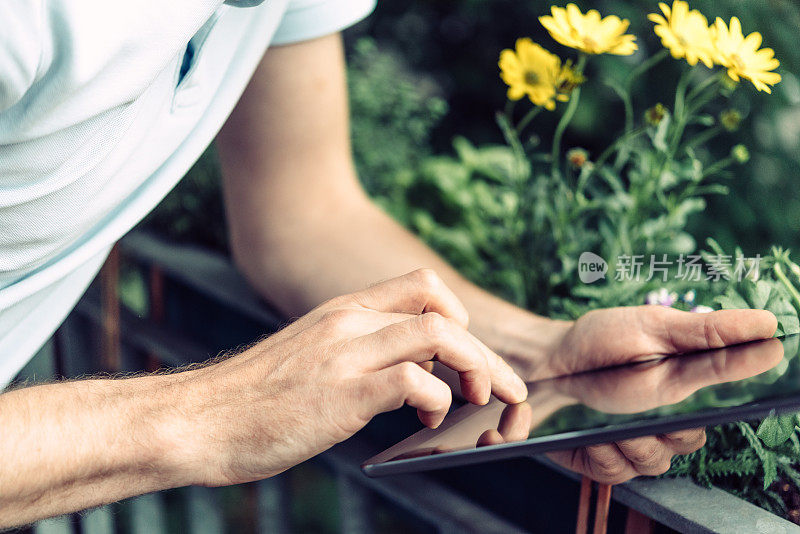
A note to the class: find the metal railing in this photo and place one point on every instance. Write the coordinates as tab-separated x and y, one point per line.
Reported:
187	289
102	335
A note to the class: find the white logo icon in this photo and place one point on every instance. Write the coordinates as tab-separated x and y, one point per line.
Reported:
591	267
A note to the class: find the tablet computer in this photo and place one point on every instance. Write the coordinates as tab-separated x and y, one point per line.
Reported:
657	396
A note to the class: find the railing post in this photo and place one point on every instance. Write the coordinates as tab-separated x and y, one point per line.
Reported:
584	504
110	357
638	523
272	504
601	512
157	308
355	506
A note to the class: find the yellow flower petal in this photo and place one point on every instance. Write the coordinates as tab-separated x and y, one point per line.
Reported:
531	70
685	33
590	32
742	57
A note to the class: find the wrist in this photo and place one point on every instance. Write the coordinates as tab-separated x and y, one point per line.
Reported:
528	342
168	431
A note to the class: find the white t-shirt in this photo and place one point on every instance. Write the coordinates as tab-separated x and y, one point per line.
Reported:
97	125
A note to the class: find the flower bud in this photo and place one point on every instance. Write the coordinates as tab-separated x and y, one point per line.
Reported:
655	115
740	154
729	83
577	157
730	119
567	80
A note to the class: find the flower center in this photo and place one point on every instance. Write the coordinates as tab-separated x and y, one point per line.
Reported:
531	78
737	62
590	44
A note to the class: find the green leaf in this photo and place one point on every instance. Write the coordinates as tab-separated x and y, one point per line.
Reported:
768	461
759	293
731	300
775	430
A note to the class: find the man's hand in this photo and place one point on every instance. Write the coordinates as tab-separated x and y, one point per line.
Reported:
74	445
608	337
613	336
321	379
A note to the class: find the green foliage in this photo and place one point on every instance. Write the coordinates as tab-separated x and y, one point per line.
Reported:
748	458
393	112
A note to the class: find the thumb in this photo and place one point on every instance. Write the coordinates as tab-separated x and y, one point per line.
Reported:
681	331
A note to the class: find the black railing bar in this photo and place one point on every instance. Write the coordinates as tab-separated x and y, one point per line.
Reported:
220	280
209	273
355	505
172	349
417	494
272	497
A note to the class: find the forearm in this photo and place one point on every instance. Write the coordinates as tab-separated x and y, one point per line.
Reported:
302	228
74	445
306	258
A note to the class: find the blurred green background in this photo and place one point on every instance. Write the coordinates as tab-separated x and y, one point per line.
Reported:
422	73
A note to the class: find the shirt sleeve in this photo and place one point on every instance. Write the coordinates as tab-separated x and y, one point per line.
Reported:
20	48
309	19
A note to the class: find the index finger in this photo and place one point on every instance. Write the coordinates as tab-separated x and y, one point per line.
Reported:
428	336
415	293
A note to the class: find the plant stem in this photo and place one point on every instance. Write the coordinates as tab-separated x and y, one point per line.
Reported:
644	66
680	94
627	101
526	120
702	86
566	118
511	137
717	167
704	137
785	281
616	144
680	114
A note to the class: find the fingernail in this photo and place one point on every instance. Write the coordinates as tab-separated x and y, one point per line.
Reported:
521	388
487	394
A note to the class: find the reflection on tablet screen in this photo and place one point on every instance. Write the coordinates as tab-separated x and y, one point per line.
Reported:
659	390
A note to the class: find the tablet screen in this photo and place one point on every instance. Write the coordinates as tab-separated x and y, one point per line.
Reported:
651	397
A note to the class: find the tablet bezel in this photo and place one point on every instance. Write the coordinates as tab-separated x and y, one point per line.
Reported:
581	438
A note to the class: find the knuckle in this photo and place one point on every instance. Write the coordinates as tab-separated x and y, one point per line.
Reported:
645	455
338	302
608	473
434	326
665	466
408	375
334	320
711	333
605	465
428	279
688	441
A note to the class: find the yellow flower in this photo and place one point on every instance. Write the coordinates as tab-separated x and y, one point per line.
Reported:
684	33
532	71
742	56
589	33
